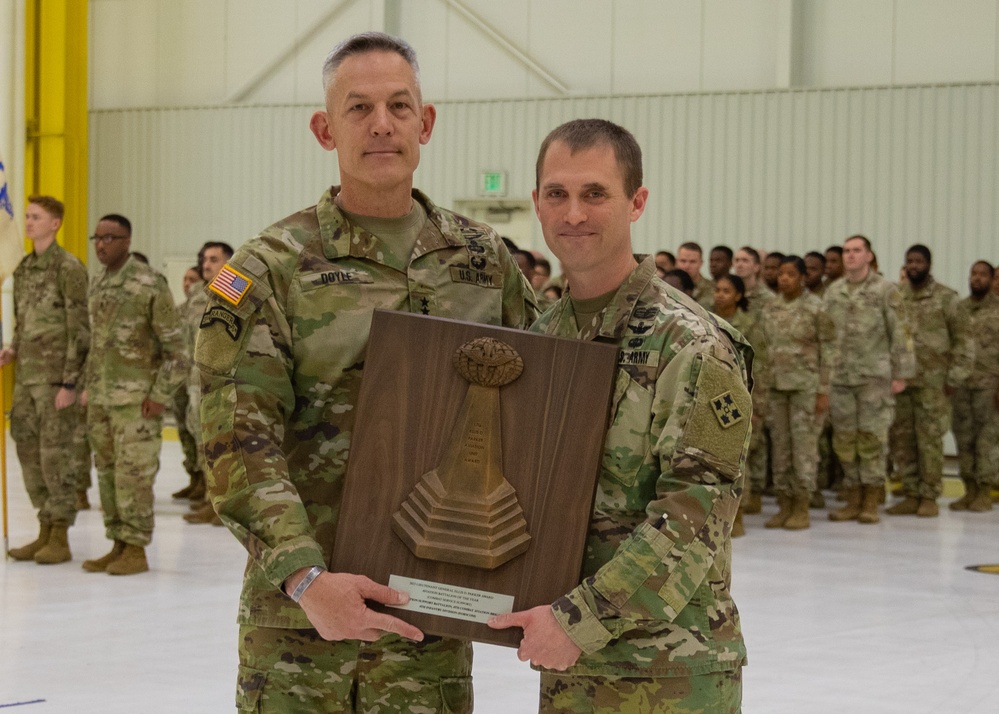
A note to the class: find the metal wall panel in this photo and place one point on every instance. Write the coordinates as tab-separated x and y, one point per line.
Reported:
787	170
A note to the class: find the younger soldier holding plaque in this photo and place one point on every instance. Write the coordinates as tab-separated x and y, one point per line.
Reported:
652	626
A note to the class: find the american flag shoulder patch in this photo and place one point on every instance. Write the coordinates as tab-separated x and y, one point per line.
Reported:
230	284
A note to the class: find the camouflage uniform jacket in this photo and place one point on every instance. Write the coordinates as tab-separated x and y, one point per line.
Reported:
982	319
758	296
801	343
137	344
51	331
942	343
704	292
750	326
281	371
872	337
655	598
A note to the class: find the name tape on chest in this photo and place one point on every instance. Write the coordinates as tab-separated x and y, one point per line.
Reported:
230	285
335	277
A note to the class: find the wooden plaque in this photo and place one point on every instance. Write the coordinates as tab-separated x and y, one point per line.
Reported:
408	437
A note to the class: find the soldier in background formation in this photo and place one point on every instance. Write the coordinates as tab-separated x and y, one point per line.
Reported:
135	364
943	362
652	626
195	489
800	339
690	258
976	401
211	259
50	344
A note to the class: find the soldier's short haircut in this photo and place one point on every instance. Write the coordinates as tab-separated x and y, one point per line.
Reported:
860	237
691	245
580	134
837	249
775	254
723	249
684	277
53	206
528	256
224	247
817	255
120	220
922	250
753	253
672	258
368	42
987	264
794	260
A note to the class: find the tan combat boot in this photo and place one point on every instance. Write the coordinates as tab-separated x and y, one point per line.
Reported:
197	488
99	565
908	506
753	504
970	491
82	502
799	518
817	500
777	520
982	501
131	561
928	508
57	549
851	509
27	552
205	514
870	499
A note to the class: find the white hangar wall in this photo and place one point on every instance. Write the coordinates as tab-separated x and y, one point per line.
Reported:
199	127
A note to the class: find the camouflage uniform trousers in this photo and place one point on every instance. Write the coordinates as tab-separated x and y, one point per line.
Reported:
794	436
182	413
717	693
127	455
285	671
757	461
42	432
976	431
922	416
82	458
861	418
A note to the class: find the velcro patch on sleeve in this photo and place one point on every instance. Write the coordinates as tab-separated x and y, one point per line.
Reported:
230	284
217	314
719	422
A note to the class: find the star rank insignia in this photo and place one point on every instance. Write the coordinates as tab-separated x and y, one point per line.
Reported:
726	410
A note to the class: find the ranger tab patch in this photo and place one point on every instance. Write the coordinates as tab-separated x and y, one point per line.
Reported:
220	314
726	410
230	284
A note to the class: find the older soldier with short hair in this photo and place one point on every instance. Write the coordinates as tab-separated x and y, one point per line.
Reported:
51	337
135	365
281	353
943	362
652	626
874	360
976	401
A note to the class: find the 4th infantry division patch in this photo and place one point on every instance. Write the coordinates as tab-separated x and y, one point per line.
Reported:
726	410
230	284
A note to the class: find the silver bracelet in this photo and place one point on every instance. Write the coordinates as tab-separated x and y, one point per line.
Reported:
314	572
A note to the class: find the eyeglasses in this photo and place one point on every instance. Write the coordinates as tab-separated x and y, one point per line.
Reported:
106	238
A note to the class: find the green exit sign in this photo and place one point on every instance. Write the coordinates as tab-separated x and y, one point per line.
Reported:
492	183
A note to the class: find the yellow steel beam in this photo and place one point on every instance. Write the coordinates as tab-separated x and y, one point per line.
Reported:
56	108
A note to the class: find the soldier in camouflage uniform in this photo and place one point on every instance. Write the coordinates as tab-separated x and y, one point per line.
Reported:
944	359
747	265
976	401
212	257
51	336
281	353
652	626
135	365
690	258
800	341
874	360
195	490
732	306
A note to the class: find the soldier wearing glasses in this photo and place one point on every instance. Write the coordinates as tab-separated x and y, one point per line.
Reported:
136	363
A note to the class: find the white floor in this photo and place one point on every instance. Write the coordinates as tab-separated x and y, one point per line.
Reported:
841	618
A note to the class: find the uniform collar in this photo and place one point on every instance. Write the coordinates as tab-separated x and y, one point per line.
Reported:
342	239
44	260
617	314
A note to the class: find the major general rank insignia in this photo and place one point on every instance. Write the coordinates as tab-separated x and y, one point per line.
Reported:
726	411
230	284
